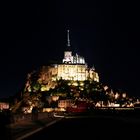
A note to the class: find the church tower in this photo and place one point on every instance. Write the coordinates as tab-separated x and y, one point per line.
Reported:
74	67
68	58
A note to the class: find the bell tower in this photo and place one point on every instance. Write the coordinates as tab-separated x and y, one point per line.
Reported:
68	58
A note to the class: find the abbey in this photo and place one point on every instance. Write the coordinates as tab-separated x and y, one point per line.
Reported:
73	67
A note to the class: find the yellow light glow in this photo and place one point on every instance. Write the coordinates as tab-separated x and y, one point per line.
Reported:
75	72
55	98
81	84
43	88
47	109
75	84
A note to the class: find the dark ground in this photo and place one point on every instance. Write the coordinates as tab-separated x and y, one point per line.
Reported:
99	125
90	128
5	119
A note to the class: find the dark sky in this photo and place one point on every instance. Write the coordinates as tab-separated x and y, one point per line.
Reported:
106	33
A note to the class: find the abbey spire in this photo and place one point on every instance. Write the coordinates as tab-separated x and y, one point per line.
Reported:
69	57
68	38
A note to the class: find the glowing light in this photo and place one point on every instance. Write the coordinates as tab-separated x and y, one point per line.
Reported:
60	109
81	88
105	88
75	84
81	84
65	103
43	88
4	105
98	104
124	95
47	109
55	98
116	95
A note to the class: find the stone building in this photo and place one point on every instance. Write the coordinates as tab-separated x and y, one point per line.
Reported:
73	67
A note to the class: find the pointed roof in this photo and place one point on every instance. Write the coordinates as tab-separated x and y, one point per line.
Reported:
68	38
68	48
93	68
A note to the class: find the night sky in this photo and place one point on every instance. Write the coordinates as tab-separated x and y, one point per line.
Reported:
106	33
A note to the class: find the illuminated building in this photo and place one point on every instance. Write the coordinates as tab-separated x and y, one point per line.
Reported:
65	103
73	67
4	105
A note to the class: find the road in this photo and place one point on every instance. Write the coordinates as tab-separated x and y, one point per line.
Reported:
24	127
89	128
